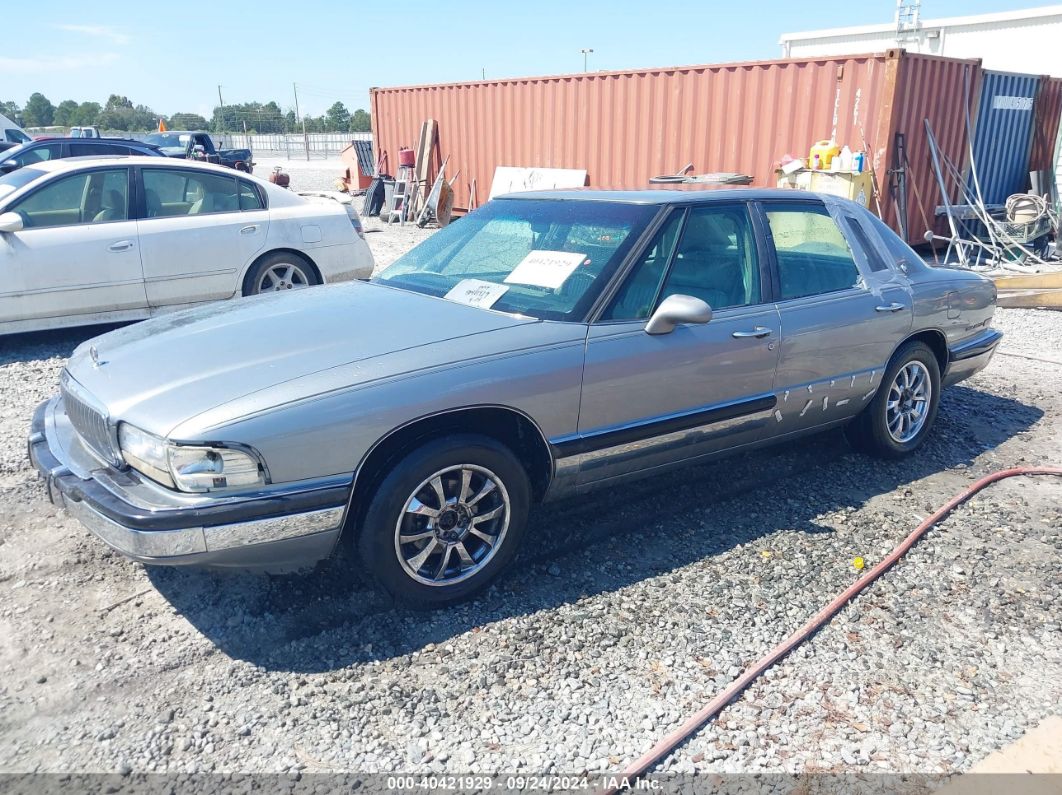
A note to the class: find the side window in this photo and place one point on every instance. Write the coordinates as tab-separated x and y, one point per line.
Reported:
716	259
813	256
873	256
97	150
39	153
249	197
170	192
636	297
90	198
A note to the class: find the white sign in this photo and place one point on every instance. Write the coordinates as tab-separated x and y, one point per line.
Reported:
512	179
476	292
1011	103
545	268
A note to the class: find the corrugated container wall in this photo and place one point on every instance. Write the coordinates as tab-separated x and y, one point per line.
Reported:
625	127
1046	150
937	89
1003	132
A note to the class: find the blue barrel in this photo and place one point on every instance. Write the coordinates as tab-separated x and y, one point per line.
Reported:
1003	133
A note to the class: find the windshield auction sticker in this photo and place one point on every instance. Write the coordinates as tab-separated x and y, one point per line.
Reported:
476	292
545	268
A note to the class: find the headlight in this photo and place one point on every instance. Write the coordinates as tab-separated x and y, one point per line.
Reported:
145	453
187	467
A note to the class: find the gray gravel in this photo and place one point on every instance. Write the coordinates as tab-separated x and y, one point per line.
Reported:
631	609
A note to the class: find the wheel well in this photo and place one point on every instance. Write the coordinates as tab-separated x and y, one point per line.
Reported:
937	343
507	426
300	254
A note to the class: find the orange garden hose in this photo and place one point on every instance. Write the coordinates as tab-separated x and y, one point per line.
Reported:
643	764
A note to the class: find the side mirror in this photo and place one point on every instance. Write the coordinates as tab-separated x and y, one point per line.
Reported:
676	309
8	166
11	222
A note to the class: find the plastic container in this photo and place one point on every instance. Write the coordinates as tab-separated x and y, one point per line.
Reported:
846	159
858	163
406	157
826	151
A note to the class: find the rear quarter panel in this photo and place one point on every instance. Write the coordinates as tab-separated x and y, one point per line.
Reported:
958	303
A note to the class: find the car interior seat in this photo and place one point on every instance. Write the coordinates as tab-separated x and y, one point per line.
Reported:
113	207
709	265
153	203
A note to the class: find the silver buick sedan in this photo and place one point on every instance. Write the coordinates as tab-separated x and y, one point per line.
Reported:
546	344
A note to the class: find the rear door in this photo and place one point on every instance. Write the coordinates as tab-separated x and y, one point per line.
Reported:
195	237
77	253
652	400
840	319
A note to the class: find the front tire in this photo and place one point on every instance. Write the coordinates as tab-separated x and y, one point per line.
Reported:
898	419
445	521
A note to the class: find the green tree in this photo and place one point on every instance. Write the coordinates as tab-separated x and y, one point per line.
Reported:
38	112
187	121
12	111
360	121
337	117
66	113
88	114
117	101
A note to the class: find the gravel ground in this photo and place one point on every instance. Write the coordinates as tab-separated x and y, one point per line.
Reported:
628	612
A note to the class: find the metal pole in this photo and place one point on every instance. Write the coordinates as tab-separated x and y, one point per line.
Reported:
221	104
586	52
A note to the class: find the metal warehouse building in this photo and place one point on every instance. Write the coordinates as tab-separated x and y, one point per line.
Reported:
624	127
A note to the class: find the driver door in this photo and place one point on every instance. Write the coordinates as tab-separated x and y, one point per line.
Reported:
653	400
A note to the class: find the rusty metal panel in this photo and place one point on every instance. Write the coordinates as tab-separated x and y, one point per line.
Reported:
938	89
1045	128
625	127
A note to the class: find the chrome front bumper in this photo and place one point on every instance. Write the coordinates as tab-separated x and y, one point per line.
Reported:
277	530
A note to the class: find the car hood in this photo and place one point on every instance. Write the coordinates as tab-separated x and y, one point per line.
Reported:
162	372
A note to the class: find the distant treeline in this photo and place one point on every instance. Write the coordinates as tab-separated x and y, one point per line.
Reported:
119	113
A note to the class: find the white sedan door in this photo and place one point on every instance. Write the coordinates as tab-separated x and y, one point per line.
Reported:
195	238
77	253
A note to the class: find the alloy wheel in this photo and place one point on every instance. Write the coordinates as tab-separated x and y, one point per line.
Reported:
452	525
282	276
907	406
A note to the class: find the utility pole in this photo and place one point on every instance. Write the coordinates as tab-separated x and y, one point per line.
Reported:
585	51
484	72
221	104
295	89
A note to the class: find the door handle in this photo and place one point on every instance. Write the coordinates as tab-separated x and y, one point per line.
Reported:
249	230
758	332
121	245
893	307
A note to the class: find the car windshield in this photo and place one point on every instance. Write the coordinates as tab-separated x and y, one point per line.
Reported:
167	140
9	183
544	258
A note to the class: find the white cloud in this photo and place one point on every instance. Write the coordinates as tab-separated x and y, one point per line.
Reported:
99	31
56	63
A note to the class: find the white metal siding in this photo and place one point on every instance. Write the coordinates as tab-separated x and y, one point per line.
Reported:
1027	45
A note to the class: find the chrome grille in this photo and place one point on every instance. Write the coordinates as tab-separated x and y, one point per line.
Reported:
89	423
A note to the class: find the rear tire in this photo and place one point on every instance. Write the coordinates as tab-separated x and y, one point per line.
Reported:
445	521
901	414
278	272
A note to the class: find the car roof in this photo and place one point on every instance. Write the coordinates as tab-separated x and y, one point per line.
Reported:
665	194
69	163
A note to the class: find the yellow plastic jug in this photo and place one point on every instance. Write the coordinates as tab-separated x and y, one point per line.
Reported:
827	151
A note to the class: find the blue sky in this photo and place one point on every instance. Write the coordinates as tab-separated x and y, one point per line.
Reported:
172	57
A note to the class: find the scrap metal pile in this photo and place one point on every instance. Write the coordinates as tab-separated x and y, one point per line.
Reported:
1019	236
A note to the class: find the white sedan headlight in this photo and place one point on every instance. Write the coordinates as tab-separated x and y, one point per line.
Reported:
186	467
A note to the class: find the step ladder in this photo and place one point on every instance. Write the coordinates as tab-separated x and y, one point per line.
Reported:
405	184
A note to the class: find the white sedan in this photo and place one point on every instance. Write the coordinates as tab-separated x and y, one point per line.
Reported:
122	238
